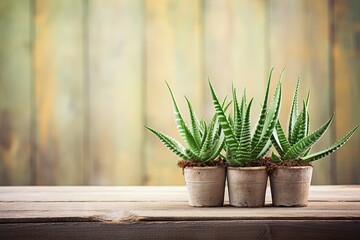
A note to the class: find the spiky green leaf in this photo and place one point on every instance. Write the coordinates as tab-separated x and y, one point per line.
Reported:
275	158
217	149
260	123
180	124
189	139
230	138
296	151
245	139
171	144
299	128
194	124
206	148
293	111
331	149
237	116
271	119
265	150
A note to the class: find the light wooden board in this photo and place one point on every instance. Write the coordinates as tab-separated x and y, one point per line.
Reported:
316	230
115	91
58	66
346	53
235	50
15	93
299	41
173	54
24	215
146	194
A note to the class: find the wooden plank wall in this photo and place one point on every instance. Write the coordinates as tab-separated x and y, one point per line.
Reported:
79	79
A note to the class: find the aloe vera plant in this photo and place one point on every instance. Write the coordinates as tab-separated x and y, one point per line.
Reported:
204	141
299	142
243	147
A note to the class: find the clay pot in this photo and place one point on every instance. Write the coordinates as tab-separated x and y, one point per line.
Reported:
247	186
290	186
205	186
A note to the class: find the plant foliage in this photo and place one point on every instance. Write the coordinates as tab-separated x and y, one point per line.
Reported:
241	146
299	142
204	141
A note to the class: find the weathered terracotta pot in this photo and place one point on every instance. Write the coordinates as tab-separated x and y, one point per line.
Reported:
290	186
247	186
205	185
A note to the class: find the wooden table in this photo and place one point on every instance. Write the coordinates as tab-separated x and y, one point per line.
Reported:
163	213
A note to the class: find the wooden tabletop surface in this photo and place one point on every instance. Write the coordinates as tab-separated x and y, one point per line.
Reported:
163	212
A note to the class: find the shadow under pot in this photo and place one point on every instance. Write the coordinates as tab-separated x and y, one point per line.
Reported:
205	186
247	186
290	186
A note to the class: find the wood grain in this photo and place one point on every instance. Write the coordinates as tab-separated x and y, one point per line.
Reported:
79	80
186	230
15	93
59	213
235	50
303	48
173	54
115	90
346	52
59	89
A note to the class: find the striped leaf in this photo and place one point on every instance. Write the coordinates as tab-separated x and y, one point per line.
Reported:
300	127
237	116
217	149
279	140
204	132
260	123
245	138
293	111
275	158
331	149
189	139
276	143
206	148
272	117
285	145
230	138
194	124
180	124
296	151
265	150
171	144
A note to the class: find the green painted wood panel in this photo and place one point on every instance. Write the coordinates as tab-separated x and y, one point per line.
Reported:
173	54
115	90
58	66
74	103
235	43
15	90
299	41
346	52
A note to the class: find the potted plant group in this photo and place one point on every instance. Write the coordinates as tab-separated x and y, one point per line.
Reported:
203	170
290	179
246	172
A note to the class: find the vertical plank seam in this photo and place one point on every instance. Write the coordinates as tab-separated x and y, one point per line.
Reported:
143	143
332	100
33	161
267	39
203	58
86	161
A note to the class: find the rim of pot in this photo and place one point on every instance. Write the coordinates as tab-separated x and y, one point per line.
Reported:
292	167
205	167
246	168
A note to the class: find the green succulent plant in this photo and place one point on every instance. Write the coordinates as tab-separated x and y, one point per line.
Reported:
241	146
204	141
299	142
